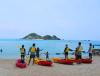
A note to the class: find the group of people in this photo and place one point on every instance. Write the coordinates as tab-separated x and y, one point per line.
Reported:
78	51
33	52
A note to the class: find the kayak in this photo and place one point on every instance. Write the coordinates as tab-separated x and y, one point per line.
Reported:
67	61
71	61
39	61
36	60
45	63
63	61
87	61
19	64
56	60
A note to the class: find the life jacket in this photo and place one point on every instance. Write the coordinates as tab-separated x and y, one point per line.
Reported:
67	50
22	50
33	50
79	49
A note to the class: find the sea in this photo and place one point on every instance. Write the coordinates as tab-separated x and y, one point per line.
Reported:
11	47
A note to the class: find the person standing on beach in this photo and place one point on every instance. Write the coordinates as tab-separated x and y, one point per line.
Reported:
66	50
47	55
93	51
79	51
23	52
32	52
90	51
1	50
38	52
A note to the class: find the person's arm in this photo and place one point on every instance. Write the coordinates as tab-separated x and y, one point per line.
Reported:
29	51
64	50
81	48
25	51
71	50
40	49
35	49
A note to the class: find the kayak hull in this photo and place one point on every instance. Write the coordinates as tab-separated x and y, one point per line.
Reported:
67	61
56	60
63	61
19	64
45	63
87	61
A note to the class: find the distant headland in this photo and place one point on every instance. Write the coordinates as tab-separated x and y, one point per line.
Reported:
39	37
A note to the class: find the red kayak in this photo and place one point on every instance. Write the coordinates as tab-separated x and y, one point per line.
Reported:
87	61
77	61
45	63
63	61
20	64
82	61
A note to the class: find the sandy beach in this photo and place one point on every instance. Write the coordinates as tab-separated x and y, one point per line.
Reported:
8	68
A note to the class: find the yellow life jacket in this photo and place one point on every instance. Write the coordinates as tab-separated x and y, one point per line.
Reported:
67	49
33	50
22	50
80	49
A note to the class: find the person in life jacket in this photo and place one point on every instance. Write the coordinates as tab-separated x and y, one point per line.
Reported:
32	52
79	51
23	52
66	50
90	51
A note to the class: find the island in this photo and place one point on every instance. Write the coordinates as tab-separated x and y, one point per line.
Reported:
39	37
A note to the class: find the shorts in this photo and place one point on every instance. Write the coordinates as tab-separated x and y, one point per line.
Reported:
79	56
22	55
66	53
32	56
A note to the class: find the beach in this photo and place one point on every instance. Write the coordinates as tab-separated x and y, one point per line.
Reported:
8	68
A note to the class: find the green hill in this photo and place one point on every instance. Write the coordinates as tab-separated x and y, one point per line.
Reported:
36	36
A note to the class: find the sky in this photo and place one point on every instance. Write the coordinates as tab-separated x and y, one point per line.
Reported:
67	19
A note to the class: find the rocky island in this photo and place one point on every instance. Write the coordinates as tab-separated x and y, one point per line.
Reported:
36	36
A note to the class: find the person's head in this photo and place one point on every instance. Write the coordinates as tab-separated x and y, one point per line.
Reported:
90	44
33	44
66	45
22	46
79	43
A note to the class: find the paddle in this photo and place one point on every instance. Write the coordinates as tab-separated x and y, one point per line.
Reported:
58	53
97	45
63	53
85	52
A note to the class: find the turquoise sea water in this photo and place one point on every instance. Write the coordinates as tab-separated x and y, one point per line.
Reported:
11	47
